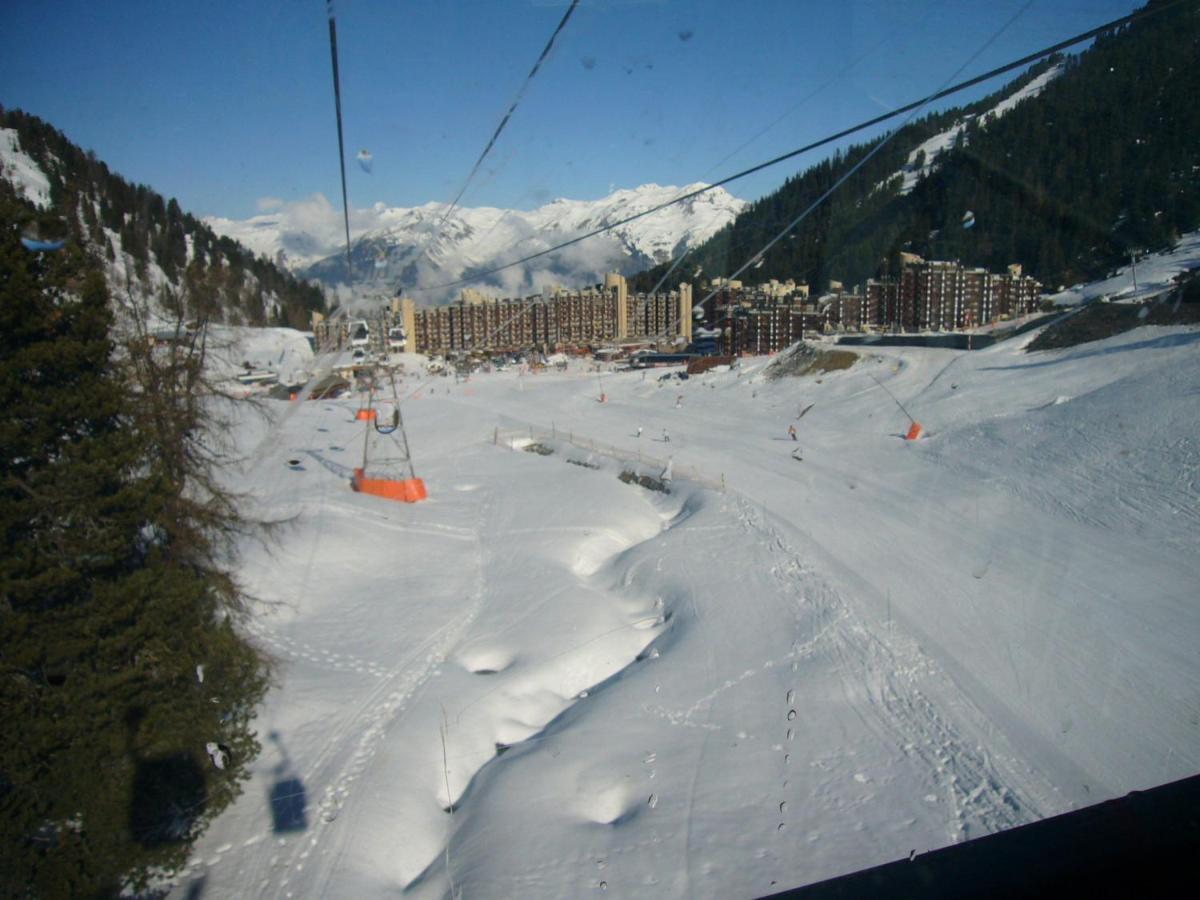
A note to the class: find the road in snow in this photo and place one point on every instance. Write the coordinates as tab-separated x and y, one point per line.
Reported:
881	648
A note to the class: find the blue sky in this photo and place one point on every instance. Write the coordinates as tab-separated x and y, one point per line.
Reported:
222	103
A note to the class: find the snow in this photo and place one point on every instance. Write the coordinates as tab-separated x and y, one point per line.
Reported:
284	351
1154	274
543	682
19	169
422	249
934	146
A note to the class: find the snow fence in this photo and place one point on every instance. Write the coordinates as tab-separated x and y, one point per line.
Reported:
582	450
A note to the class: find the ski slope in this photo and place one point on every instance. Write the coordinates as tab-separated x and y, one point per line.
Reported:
544	682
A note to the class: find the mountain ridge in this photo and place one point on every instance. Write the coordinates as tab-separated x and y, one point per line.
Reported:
149	249
409	248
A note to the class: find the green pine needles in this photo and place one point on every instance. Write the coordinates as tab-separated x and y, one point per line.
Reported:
112	590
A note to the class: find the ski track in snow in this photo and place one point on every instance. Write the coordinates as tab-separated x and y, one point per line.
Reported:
771	697
888	674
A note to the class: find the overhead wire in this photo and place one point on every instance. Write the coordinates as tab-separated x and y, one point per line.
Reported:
337	105
914	108
913	111
841	73
512	108
845	132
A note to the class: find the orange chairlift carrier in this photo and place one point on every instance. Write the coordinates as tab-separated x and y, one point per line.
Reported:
387	469
366	411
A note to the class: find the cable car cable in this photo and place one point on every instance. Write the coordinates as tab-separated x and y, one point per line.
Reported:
908	107
512	108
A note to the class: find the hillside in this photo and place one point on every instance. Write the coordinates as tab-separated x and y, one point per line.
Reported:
1099	162
148	246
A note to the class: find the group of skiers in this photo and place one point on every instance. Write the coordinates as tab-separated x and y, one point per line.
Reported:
791	429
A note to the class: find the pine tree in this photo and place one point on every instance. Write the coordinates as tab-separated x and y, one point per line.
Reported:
110	593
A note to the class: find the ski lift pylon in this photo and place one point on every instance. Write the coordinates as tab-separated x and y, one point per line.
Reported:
381	478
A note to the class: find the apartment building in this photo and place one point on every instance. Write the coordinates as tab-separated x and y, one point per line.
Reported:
937	295
600	314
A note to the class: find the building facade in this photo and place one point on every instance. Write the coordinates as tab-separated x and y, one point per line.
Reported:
940	296
606	313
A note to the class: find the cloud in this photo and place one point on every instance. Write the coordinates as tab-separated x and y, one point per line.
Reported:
268	204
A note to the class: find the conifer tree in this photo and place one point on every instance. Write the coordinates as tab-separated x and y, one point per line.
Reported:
119	660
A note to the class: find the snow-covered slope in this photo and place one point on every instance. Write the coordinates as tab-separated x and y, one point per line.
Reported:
543	682
923	159
1151	275
21	171
284	352
414	248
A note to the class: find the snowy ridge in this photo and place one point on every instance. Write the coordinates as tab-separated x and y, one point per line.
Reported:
397	247
923	159
21	171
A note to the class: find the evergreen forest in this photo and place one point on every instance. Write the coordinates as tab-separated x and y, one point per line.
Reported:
1103	164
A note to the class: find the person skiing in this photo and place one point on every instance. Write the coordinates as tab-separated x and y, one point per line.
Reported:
679	401
639	431
666	437
792	432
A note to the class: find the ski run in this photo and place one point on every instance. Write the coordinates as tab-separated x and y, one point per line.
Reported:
547	681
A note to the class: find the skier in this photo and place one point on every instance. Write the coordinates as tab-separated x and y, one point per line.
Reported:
679	401
639	431
666	437
792	432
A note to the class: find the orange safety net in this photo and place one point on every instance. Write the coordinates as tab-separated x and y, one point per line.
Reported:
409	490
914	432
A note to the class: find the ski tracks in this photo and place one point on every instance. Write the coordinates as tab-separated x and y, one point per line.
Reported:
895	678
348	750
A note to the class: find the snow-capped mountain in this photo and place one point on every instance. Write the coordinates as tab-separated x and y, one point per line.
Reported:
414	249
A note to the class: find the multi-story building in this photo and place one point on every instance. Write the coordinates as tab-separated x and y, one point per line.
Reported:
937	295
604	313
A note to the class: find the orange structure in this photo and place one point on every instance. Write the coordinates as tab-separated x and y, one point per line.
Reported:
387	479
408	490
914	432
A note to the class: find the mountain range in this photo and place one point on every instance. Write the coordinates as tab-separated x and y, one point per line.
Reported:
149	250
396	248
1068	170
